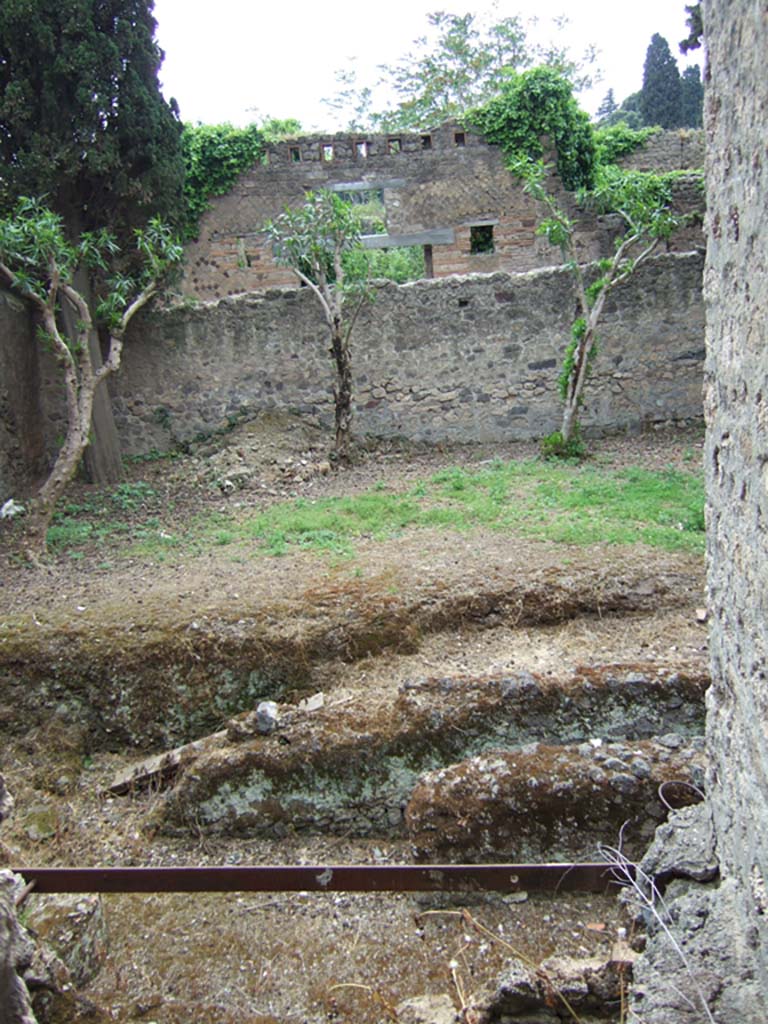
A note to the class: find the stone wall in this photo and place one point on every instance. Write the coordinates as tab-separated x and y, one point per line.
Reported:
463	359
722	925
677	150
433	189
737	461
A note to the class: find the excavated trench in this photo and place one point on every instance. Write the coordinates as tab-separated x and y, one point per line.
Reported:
507	714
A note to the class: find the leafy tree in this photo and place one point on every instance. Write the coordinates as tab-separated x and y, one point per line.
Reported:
643	202
460	64
313	241
627	113
660	102
83	123
691	97
39	262
535	104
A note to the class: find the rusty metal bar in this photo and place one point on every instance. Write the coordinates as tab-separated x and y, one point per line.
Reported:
328	878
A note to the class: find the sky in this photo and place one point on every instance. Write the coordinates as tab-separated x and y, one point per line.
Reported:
239	61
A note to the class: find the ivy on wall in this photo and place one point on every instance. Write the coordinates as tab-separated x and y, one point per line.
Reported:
536	104
215	155
620	140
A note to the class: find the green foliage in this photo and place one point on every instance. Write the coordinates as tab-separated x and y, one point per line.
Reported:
82	119
618	140
555	446
642	198
628	113
607	106
660	102
644	203
215	155
312	239
461	62
695	24
399	264
540	103
36	257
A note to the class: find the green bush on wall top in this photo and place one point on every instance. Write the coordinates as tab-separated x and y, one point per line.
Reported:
535	104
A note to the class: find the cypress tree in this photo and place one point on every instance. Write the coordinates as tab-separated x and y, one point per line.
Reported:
83	126
660	102
692	97
82	119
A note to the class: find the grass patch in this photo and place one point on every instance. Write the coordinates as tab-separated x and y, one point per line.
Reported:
568	503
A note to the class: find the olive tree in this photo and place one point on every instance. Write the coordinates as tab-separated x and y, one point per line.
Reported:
39	263
313	240
643	202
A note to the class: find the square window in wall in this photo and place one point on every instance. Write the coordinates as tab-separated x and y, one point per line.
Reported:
459	138
295	154
426	142
362	149
481	239
393	145
327	152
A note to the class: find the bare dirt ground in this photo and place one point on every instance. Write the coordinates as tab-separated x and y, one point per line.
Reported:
256	959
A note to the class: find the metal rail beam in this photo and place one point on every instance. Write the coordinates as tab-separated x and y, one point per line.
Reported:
328	878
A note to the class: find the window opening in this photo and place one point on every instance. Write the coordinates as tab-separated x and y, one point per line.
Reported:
327	151
362	149
295	155
426	142
429	267
459	138
393	145
481	239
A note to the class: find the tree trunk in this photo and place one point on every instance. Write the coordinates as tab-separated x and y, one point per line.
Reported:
577	381
342	390
103	458
43	504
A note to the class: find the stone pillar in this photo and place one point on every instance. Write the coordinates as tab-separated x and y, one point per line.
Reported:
717	970
736	288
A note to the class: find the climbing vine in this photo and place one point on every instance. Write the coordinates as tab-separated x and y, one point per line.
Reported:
535	104
215	155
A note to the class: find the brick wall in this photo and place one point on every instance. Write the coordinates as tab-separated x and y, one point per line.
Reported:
444	187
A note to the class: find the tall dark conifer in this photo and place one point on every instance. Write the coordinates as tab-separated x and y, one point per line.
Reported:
692	97
82	119
660	101
83	125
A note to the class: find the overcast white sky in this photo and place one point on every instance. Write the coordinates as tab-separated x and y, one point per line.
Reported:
237	61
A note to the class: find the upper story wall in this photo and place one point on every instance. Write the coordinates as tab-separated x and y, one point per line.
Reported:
437	189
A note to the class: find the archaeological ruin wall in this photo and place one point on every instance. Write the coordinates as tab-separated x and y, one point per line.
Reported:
472	358
716	903
737	468
463	359
447	191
